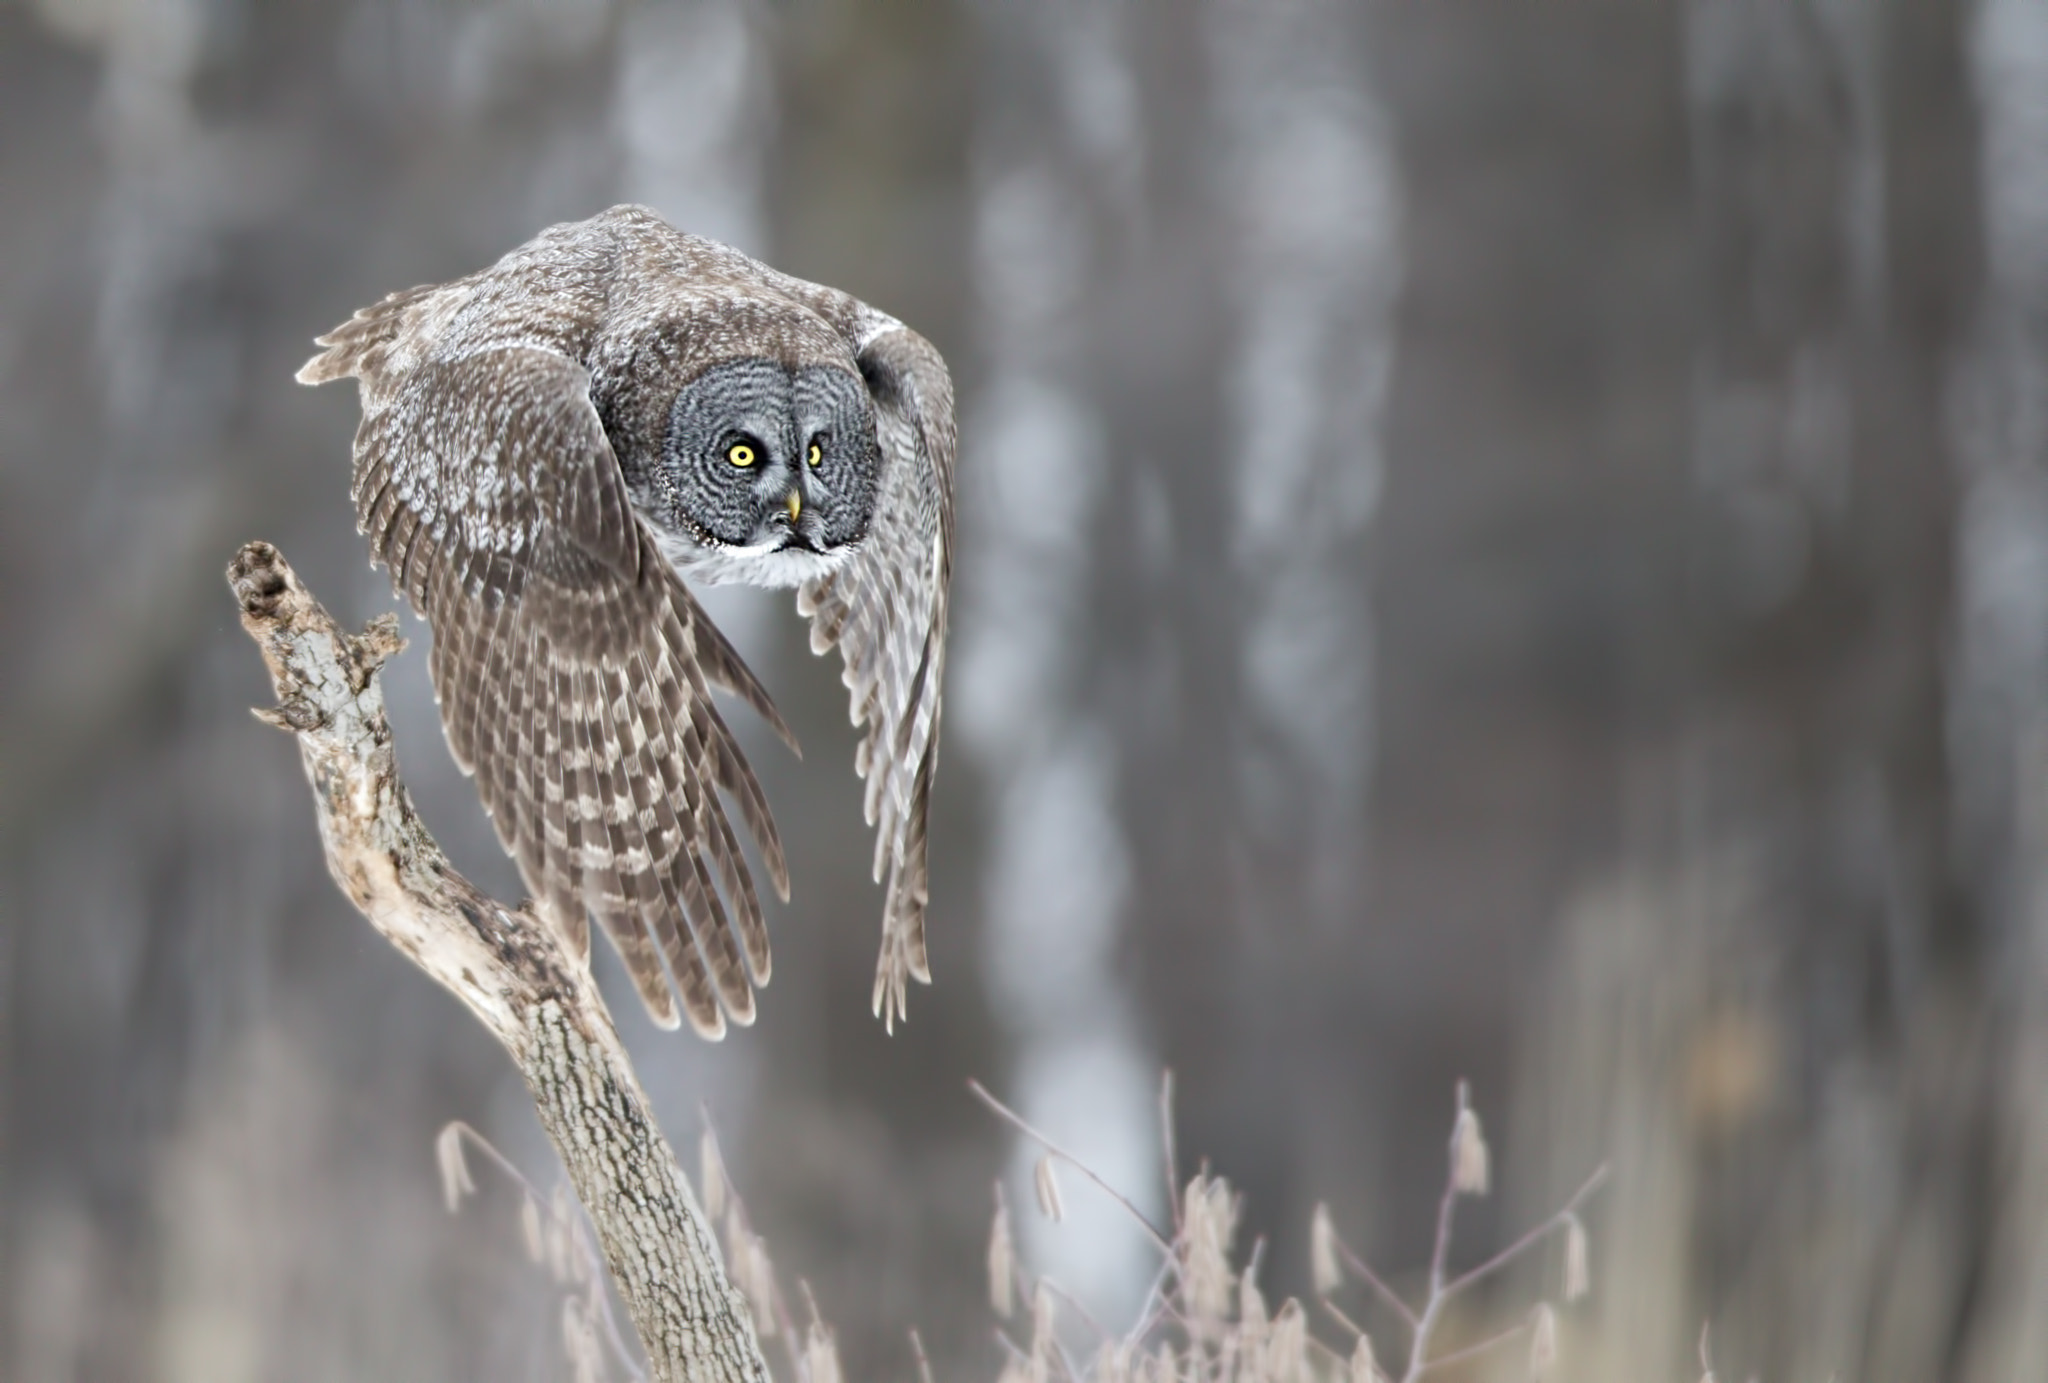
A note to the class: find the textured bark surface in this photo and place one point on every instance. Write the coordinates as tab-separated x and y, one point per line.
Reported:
509	968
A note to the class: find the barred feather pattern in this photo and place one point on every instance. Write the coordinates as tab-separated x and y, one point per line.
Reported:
569	663
512	425
886	613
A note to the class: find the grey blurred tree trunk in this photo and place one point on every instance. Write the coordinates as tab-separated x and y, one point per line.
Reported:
1771	1010
1222	202
1999	717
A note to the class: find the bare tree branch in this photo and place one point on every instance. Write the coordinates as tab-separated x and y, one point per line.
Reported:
509	968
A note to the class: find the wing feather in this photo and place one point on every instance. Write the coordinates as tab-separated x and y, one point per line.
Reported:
612	881
717	840
708	743
487	487
886	613
563	758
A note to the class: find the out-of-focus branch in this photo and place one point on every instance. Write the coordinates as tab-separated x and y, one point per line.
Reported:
508	967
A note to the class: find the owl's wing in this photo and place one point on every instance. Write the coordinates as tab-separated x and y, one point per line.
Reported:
569	661
886	612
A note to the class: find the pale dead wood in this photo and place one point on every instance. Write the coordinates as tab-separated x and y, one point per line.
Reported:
508	967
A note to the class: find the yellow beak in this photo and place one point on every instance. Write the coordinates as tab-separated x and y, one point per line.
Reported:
795	503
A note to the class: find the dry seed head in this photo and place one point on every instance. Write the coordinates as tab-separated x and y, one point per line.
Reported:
755	1277
563	1260
746	1261
455	1179
1469	1170
821	1354
764	1283
1227	1364
529	1228
1208	1223
1251	1306
1578	1278
1542	1341
1044	1343
579	1341
711	1179
1044	1319
1002	1260
1048	1185
1287	1345
1365	1367
735	1236
1113	1362
1324	1269
739	1266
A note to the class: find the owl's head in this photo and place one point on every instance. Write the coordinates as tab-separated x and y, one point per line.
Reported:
758	460
772	465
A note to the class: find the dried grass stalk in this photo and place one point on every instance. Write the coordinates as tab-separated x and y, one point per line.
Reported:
1324	1268
1002	1260
1047	1183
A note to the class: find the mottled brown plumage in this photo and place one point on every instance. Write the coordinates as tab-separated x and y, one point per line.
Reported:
519	470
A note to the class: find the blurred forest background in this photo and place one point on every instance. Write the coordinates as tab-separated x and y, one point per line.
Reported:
1499	538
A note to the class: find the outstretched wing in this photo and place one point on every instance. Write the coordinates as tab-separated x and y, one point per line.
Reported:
886	612
569	661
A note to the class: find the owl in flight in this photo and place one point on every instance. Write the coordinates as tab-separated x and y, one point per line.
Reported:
549	448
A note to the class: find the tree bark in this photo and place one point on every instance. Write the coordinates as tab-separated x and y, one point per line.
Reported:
511	970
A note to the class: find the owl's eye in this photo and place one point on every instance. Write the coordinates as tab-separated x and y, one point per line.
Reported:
740	454
817	454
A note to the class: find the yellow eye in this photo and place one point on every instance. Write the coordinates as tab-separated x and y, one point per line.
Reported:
740	454
817	454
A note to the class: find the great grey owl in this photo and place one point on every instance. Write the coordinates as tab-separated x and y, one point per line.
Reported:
547	448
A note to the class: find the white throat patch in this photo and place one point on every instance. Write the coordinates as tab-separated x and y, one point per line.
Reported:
763	564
